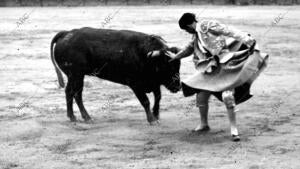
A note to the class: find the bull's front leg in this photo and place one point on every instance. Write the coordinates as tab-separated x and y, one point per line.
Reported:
157	97
141	95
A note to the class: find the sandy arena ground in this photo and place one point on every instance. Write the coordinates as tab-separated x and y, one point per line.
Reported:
36	134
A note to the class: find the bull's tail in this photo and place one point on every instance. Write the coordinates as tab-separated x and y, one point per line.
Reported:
58	72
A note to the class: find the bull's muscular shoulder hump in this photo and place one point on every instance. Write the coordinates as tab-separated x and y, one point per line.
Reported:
140	40
111	32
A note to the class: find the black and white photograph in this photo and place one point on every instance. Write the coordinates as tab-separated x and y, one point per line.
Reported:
149	84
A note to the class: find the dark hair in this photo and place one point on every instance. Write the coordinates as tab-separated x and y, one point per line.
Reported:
186	19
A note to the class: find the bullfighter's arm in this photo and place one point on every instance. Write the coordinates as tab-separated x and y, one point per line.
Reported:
185	52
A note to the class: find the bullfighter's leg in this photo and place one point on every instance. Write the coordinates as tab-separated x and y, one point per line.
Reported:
229	101
157	97
141	95
202	99
78	86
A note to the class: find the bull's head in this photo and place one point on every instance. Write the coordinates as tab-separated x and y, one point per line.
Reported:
167	72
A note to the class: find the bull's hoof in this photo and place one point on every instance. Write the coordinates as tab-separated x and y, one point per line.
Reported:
201	130
235	138
156	114
73	119
89	121
156	117
87	118
154	123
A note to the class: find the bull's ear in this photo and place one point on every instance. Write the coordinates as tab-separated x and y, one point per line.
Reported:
153	54
174	49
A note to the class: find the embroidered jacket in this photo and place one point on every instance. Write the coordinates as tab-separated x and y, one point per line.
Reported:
213	37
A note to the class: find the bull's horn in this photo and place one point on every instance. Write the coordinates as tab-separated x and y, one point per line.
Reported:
153	53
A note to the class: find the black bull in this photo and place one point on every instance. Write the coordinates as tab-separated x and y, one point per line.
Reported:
130	58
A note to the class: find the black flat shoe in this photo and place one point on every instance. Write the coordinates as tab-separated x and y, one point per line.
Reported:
235	138
202	130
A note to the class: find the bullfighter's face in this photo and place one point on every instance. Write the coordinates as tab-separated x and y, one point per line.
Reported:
191	28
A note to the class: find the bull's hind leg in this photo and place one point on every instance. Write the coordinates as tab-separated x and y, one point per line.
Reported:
69	99
74	90
78	88
77	85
